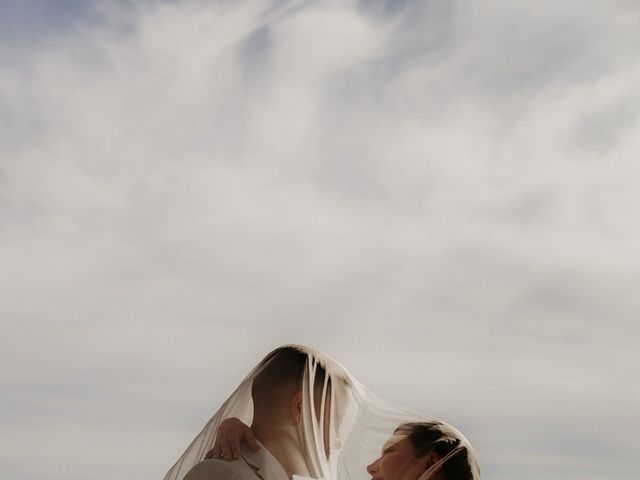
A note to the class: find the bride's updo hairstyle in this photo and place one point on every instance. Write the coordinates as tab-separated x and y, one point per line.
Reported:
427	437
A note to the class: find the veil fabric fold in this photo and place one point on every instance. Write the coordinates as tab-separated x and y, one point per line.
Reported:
343	426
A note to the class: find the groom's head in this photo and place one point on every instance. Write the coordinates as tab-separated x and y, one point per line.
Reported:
298	398
277	388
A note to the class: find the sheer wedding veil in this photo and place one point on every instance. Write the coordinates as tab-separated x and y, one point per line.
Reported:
342	427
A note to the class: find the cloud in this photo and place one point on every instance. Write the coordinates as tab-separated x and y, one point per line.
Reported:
436	187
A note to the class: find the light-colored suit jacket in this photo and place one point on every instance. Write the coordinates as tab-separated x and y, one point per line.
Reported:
260	465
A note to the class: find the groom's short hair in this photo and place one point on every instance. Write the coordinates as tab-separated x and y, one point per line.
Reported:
280	377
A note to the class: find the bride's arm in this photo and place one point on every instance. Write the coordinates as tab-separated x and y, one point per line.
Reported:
231	433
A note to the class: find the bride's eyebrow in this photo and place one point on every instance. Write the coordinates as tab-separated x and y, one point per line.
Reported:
388	449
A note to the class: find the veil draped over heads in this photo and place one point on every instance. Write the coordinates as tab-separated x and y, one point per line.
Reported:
343	431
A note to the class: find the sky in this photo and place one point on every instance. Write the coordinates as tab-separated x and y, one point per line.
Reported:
441	195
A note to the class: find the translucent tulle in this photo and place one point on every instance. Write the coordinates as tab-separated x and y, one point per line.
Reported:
343	428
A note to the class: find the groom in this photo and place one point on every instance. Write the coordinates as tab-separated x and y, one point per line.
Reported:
277	424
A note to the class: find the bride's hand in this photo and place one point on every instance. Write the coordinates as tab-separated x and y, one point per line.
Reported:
230	433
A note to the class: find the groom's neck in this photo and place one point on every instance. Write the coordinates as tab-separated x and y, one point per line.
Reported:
282	441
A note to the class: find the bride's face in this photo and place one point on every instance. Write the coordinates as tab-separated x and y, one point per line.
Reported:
397	461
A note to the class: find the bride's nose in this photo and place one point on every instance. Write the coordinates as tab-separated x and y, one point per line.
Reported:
372	468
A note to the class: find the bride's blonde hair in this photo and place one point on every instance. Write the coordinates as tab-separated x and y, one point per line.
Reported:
427	437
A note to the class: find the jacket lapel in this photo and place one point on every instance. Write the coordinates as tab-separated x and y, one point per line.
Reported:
263	463
253	467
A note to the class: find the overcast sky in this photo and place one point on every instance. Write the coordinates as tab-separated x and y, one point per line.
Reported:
442	195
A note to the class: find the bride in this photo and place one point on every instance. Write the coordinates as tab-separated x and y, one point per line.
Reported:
299	413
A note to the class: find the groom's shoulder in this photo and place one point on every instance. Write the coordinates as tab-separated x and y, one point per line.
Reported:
221	470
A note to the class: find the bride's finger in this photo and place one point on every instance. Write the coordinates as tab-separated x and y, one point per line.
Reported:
250	439
225	450
217	452
235	448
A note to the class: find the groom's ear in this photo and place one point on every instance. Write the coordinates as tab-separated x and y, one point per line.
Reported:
296	407
431	459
